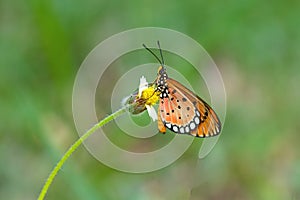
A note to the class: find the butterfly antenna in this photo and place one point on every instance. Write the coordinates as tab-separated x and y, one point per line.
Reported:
157	58
161	55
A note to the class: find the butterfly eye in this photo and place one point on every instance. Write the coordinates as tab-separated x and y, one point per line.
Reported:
160	70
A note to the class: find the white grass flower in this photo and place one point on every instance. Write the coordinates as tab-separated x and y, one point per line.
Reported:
147	93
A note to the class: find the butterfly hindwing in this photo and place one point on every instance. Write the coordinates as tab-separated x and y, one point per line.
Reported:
210	124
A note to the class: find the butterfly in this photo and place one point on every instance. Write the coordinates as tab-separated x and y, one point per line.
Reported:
181	110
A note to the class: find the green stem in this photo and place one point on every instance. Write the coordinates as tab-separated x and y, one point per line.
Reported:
74	147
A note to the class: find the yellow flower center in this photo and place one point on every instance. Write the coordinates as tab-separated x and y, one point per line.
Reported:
150	95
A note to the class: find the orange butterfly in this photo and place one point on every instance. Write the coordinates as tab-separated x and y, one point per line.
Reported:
180	110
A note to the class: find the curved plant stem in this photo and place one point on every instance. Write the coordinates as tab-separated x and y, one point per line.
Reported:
74	147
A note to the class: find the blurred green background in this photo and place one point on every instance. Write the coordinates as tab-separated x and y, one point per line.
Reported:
255	45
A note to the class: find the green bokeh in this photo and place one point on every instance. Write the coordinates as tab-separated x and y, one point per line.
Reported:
255	45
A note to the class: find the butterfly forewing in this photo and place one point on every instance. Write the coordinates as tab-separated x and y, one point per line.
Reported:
174	111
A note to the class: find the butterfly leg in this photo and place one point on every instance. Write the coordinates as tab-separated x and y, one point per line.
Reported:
161	126
194	133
